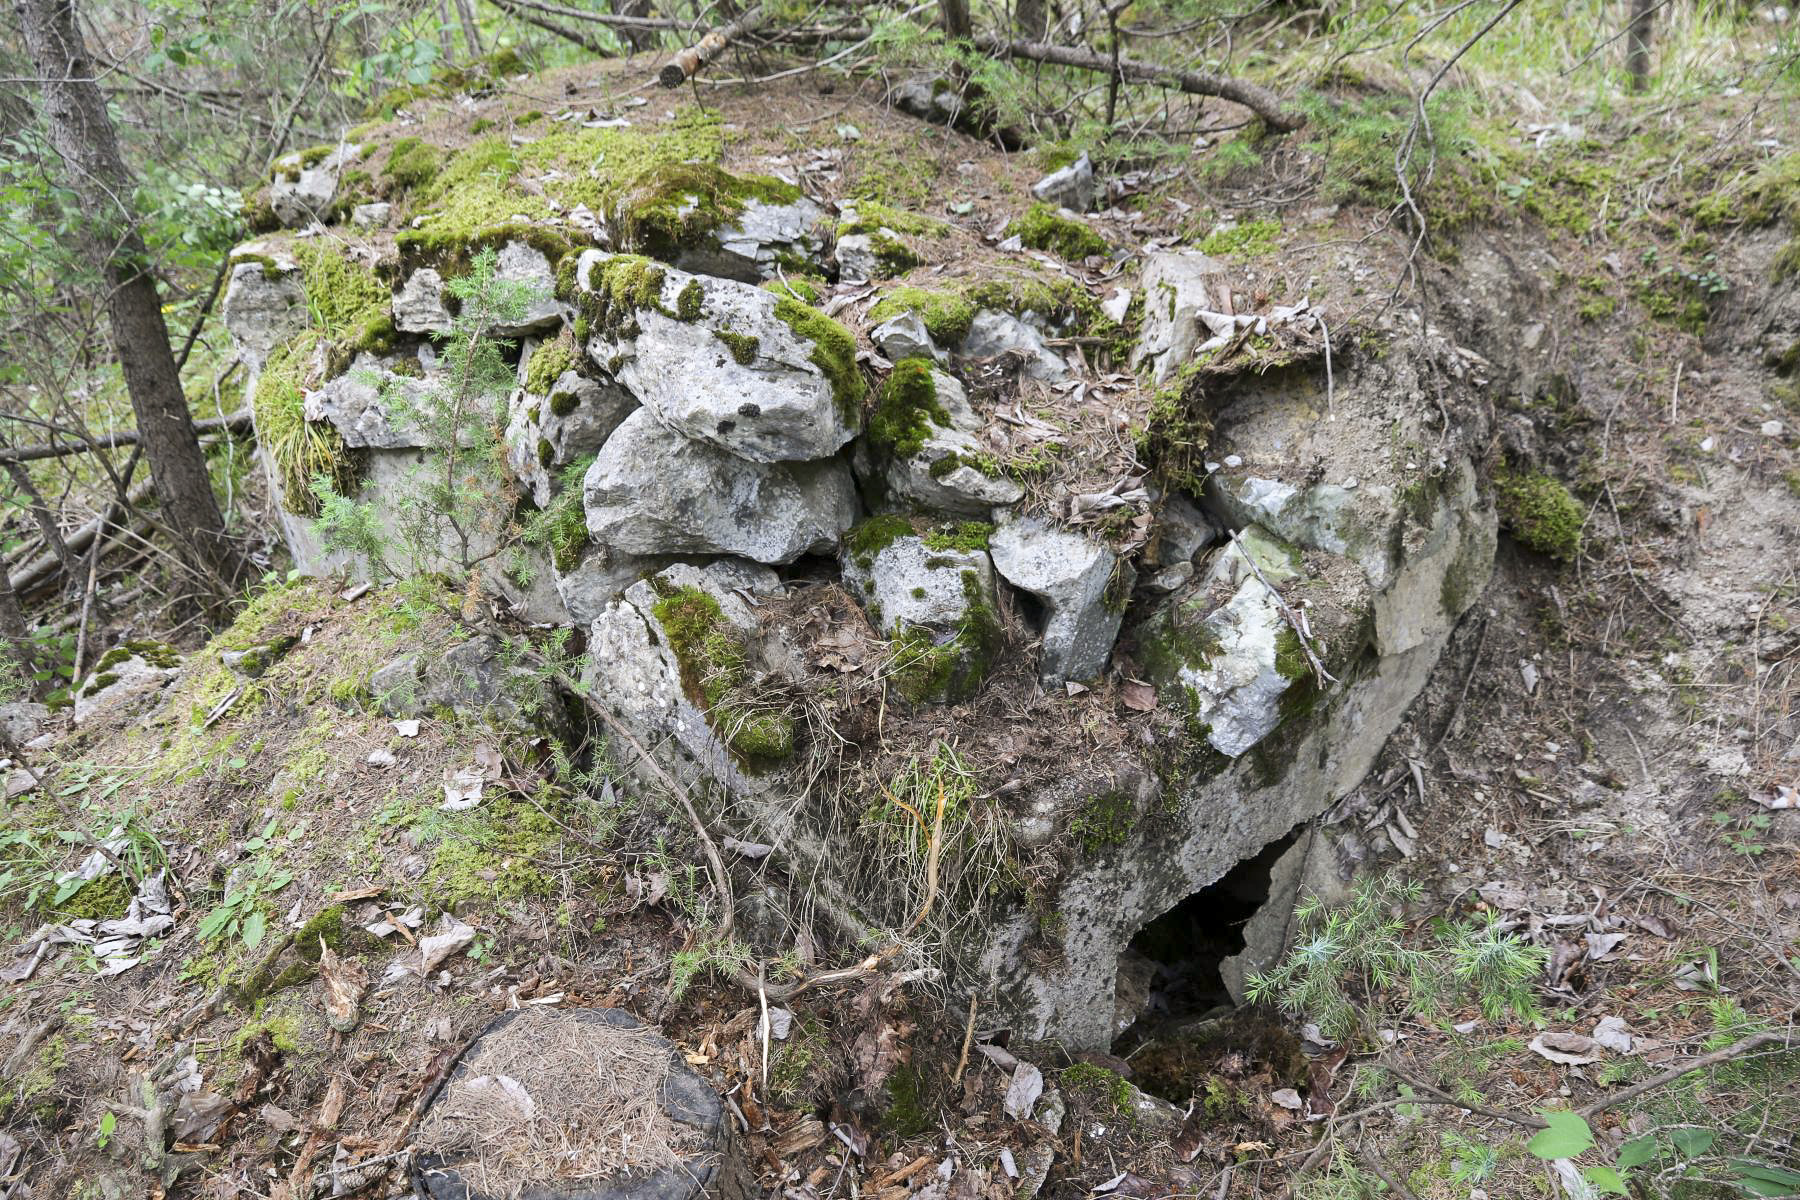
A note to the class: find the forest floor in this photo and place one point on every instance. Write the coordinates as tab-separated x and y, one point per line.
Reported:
1607	755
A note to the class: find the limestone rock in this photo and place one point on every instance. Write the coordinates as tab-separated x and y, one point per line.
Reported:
419	304
653	491
518	262
21	719
993	334
301	192
1229	660
934	596
635	669
265	304
472	678
715	361
877	254
1178	286
354	405
928	97
753	244
1071	187
598	576
1082	585
1181	531
905	336
372	215
951	472
547	433
125	677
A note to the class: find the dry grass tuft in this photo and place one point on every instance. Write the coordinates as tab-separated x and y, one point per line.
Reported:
550	1098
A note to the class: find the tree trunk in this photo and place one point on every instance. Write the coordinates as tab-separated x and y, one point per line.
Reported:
956	19
1030	19
1637	42
82	134
12	632
465	12
637	39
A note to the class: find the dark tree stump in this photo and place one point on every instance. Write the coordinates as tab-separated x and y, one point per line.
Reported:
716	1170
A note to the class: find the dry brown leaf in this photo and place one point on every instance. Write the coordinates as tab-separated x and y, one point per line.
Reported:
346	980
1569	1049
1138	697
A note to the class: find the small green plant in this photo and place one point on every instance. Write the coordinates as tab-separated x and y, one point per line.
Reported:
457	507
103	1135
1743	835
242	913
1352	969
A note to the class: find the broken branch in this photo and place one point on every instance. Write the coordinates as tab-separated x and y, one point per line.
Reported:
1257	99
237	422
683	66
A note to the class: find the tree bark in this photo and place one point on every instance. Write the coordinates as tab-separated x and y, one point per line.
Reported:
12	631
1030	19
956	19
82	134
1637	42
683	66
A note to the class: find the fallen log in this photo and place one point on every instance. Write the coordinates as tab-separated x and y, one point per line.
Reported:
1257	99
682	67
237	422
47	564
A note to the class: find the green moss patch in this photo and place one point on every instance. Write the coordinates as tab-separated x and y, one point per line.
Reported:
797	287
833	352
1177	431
743	346
548	363
928	669
906	410
411	164
947	315
347	302
868	216
1105	820
871	537
710	656
967	536
1541	514
300	450
561	528
672	206
1042	227
1250	239
100	899
1761	197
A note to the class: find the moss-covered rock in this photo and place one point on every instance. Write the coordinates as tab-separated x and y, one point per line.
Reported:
1540	513
1042	227
714	670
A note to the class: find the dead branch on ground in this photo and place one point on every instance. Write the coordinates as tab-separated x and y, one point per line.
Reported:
1256	98
683	66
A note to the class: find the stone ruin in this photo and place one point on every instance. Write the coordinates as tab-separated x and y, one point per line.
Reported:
786	517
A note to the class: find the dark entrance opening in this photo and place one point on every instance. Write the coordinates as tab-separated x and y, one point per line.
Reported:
1170	971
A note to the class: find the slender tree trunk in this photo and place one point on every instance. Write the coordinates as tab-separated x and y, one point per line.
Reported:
637	39
446	47
1637	42
465	12
82	133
